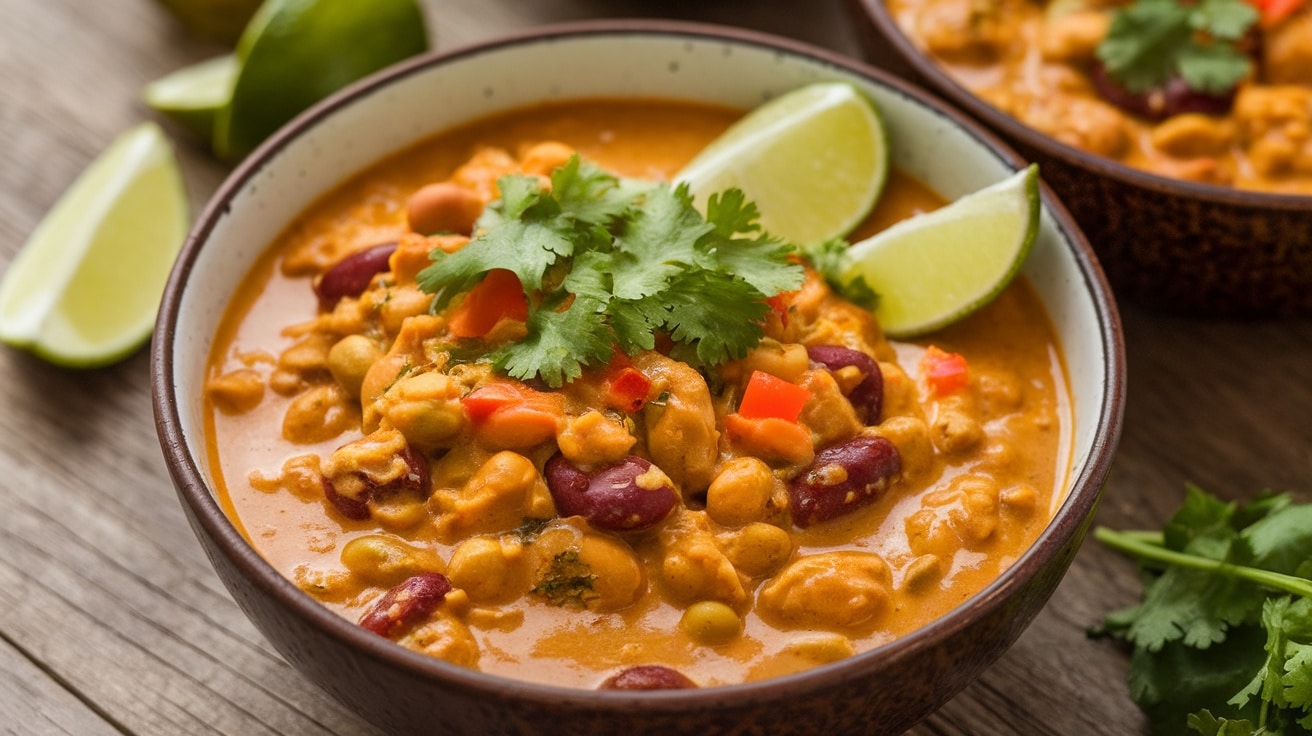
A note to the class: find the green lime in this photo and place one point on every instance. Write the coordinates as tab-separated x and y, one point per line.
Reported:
937	267
296	52
194	95
813	160
84	289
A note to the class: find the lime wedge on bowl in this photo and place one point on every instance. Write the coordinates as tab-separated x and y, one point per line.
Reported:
937	267
294	53
194	95
84	289
813	160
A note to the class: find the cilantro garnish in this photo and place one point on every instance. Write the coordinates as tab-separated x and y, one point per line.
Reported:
609	262
1151	41
1223	635
830	260
568	582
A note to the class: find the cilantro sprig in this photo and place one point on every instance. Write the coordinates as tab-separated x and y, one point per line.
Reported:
1223	634
1151	41
609	262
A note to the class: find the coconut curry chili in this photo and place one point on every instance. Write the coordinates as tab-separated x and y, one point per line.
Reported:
1219	93
649	523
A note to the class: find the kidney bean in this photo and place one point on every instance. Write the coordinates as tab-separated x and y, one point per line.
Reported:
842	479
648	677
867	397
357	508
351	275
406	604
1172	98
443	208
615	498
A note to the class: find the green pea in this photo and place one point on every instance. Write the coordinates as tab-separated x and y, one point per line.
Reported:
711	623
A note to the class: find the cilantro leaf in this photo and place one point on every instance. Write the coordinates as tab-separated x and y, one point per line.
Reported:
829	260
606	261
1223	636
1151	41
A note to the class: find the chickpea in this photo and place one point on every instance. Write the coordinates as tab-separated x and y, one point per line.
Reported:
350	359
543	158
593	439
319	414
443	208
384	560
740	493
758	548
236	392
425	407
1192	135
711	623
619	581
489	569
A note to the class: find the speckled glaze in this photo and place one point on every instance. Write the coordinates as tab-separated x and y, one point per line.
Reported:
883	691
1192	249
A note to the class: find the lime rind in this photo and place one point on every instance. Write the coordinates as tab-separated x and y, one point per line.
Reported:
83	290
194	95
941	266
827	135
294	53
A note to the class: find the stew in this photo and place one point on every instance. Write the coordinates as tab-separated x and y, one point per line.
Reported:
1218	93
652	522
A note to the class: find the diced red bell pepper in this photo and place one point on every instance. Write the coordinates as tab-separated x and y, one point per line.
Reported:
769	396
498	296
508	415
626	386
779	305
945	373
1274	11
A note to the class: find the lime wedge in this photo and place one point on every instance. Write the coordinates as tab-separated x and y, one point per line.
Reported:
294	53
935	268
813	160
84	289
194	95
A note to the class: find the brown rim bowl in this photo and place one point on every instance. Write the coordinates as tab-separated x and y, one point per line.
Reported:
880	691
1176	246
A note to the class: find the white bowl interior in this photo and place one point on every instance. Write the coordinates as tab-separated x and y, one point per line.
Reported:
353	134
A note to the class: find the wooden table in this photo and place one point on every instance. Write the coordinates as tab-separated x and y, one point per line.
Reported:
111	619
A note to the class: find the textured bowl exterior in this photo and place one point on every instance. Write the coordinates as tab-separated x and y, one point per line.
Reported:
883	691
1181	247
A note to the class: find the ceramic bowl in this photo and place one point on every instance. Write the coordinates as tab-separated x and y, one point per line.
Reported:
882	691
1183	247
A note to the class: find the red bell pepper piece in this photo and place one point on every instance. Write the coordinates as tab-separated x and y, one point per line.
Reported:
944	372
498	296
626	386
1274	11
769	396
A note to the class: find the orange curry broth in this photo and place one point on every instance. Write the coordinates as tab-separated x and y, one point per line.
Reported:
1017	376
1032	61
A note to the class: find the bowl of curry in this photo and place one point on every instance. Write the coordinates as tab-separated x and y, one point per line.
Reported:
1176	132
450	504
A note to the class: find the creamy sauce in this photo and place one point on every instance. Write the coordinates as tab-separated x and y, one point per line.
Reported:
939	545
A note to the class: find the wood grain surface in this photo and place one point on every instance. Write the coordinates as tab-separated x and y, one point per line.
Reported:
111	619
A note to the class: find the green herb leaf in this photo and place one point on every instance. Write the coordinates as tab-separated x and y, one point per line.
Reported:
1151	41
1223	635
606	261
828	259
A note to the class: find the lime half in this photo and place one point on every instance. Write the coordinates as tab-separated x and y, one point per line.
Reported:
935	268
296	52
813	160
194	95
84	289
